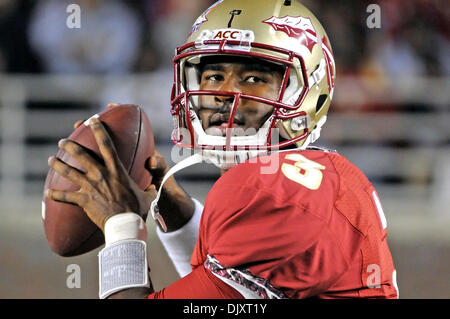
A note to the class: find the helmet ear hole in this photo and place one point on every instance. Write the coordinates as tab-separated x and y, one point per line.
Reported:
320	102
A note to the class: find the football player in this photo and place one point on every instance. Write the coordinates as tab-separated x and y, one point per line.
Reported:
252	87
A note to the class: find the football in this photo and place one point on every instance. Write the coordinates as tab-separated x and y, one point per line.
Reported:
68	230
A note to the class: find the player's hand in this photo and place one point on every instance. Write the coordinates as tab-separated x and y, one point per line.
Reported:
175	205
105	189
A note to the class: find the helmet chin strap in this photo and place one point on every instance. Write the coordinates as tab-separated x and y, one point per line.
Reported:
154	209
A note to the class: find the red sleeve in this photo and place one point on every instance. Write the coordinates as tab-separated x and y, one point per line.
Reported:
199	284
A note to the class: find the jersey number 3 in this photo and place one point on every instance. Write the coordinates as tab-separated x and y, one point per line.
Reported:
303	171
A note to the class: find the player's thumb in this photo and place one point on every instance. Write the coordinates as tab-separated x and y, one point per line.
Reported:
157	167
78	123
111	105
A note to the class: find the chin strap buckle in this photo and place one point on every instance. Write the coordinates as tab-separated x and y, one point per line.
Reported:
154	209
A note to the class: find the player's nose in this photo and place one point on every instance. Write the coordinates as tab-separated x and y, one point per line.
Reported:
229	85
222	100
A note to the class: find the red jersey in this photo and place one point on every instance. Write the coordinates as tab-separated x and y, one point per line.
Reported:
295	224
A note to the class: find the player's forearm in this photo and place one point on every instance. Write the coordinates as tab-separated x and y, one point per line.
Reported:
176	207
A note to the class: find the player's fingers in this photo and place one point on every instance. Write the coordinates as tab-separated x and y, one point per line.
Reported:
153	163
106	146
78	124
67	171
157	166
111	105
76	198
82	156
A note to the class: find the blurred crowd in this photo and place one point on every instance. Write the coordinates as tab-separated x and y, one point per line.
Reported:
115	36
139	36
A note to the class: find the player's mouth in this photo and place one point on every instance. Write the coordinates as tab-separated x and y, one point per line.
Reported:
218	123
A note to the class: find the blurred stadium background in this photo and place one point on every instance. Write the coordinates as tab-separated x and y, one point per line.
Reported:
390	116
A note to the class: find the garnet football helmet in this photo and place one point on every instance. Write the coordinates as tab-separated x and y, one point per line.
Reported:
283	33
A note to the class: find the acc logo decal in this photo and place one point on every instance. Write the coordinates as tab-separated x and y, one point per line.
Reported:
295	27
202	19
228	34
241	39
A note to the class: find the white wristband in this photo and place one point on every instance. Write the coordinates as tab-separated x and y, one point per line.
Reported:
123	265
125	226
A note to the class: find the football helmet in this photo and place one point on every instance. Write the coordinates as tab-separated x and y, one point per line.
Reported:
280	32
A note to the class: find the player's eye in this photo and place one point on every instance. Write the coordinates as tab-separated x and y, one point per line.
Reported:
255	79
213	77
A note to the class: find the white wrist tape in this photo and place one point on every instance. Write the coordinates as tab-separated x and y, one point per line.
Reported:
125	226
123	265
